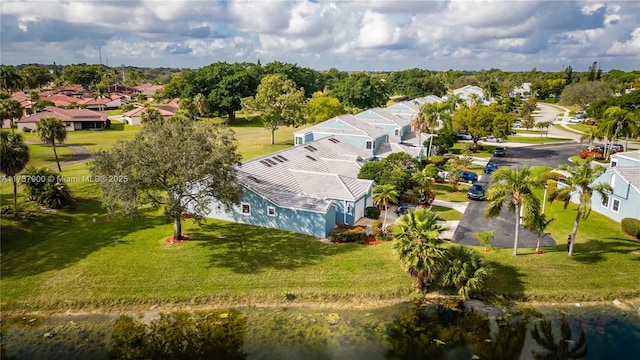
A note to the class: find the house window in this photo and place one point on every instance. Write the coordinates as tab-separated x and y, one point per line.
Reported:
271	211
298	140
614	163
613	181
615	207
369	145
246	208
605	203
397	132
68	124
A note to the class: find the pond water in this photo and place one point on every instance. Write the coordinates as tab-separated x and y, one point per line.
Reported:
403	331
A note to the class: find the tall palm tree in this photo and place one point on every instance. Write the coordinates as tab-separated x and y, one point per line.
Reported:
581	182
537	222
590	135
14	156
50	130
428	118
383	195
515	189
563	348
423	186
418	245
617	118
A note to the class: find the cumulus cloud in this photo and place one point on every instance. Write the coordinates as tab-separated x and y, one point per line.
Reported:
350	35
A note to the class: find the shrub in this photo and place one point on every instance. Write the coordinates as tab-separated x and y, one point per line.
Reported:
631	226
551	175
376	228
44	187
26	129
347	233
372	212
486	239
588	154
437	160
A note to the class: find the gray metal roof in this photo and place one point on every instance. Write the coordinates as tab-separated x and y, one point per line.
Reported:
383	117
305	176
632	155
357	127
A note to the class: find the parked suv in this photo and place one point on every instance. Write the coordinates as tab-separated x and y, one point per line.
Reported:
490	167
466	176
614	148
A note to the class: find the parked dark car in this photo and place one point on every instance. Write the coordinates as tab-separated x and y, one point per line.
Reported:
461	136
403	209
490	167
476	192
500	151
466	176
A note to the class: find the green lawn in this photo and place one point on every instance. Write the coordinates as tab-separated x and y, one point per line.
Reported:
41	155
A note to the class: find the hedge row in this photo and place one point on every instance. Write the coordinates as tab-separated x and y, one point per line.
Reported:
348	233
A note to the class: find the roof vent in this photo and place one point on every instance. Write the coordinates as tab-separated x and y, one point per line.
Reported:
311	157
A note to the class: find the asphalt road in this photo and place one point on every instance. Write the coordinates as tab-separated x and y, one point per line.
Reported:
504	225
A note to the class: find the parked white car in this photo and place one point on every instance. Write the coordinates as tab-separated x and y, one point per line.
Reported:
574	120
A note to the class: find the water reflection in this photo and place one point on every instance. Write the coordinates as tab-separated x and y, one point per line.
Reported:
403	331
180	335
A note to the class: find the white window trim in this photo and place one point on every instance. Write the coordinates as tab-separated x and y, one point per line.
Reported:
614	163
299	140
368	145
397	132
605	204
271	209
242	209
612	207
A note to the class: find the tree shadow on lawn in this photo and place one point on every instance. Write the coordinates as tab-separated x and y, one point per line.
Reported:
248	249
593	250
58	239
505	281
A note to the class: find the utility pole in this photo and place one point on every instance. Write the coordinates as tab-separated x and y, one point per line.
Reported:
100	55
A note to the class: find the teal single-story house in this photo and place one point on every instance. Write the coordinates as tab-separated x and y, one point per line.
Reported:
396	127
306	189
623	175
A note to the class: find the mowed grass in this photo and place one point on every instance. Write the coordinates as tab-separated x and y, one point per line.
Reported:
41	155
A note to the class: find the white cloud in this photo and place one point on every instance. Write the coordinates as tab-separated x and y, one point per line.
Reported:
630	47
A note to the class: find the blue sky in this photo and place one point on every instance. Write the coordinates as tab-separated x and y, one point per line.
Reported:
348	35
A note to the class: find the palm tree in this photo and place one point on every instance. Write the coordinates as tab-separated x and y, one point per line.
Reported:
515	189
429	115
50	130
537	222
101	92
581	182
418	245
464	269
201	105
590	135
14	156
617	118
10	78
383	195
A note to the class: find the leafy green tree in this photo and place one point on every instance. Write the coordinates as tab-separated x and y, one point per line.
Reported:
464	269
35	76
50	130
322	107
590	135
476	121
428	118
583	93
201	105
513	188
182	165
151	115
14	156
360	91
490	89
383	195
528	121
581	182
417	245
10	79
415	83
45	187
10	109
423	186
308	79
85	75
279	103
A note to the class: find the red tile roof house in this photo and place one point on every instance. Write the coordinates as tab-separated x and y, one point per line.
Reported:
112	101
63	100
149	90
74	119
132	117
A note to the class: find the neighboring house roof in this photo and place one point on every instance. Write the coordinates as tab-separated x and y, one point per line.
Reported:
99	101
70	88
66	115
631	155
139	110
387	149
382	117
405	109
429	99
148	89
118	88
62	100
354	126
467	91
630	174
306	177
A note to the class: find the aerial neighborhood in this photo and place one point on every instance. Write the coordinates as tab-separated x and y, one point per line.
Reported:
304	189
